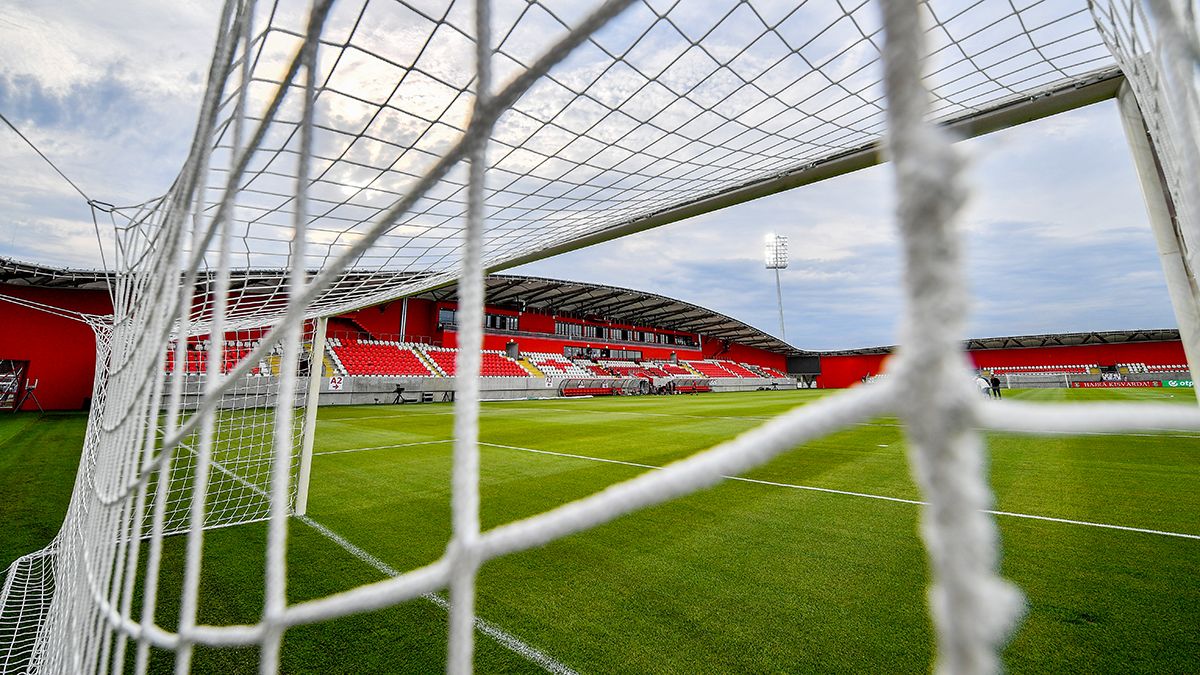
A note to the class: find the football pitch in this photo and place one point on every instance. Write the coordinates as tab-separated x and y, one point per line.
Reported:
811	563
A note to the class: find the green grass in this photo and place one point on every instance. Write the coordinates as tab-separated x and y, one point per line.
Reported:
742	577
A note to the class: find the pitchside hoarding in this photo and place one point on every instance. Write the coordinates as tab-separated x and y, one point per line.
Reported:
1120	385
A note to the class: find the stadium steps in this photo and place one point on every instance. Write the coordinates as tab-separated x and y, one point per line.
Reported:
528	365
331	356
345	327
696	372
328	367
273	363
427	360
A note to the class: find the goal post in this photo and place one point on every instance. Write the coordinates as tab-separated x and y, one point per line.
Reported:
311	402
1180	277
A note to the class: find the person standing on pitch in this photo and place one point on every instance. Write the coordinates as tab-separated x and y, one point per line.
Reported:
995	386
985	387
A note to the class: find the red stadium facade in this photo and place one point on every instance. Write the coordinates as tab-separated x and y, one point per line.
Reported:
847	369
61	352
534	315
541	316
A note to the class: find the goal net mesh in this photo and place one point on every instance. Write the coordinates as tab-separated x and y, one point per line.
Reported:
373	149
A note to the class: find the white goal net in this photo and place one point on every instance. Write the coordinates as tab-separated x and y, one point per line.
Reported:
378	148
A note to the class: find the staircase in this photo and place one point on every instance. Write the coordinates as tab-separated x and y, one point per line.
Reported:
328	367
428	361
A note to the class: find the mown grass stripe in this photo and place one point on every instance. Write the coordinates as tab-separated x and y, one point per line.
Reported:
506	639
813	488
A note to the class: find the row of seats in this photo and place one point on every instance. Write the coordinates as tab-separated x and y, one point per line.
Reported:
388	358
492	363
196	360
675	369
1070	369
1156	368
556	365
1171	368
377	357
709	369
360	357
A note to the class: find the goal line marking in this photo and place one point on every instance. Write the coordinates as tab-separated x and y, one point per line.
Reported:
506	639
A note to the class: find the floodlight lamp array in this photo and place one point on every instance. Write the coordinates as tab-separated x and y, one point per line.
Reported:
776	252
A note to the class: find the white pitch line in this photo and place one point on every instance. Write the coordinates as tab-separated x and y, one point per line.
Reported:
506	639
379	447
1068	521
864	495
792	486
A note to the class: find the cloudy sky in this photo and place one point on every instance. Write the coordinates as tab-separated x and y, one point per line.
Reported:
1057	240
1057	233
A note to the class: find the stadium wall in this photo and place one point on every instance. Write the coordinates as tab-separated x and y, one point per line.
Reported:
380	320
845	370
61	352
498	341
721	349
840	371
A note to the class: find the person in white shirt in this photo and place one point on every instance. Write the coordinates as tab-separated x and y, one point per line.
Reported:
985	387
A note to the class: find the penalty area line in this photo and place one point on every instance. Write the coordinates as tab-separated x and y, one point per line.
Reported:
506	639
379	447
864	495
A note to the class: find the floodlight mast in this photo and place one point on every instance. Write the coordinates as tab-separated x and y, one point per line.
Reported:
777	259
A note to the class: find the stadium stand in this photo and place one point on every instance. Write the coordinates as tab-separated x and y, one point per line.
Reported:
197	356
443	359
377	358
763	371
554	365
737	369
675	369
331	346
1075	369
709	369
593	369
498	364
622	368
494	363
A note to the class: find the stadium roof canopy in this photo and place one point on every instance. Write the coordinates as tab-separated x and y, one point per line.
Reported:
621	305
569	298
580	299
1044	340
31	274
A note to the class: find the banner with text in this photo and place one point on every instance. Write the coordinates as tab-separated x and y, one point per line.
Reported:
1116	385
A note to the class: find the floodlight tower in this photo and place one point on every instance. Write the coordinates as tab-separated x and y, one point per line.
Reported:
777	259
